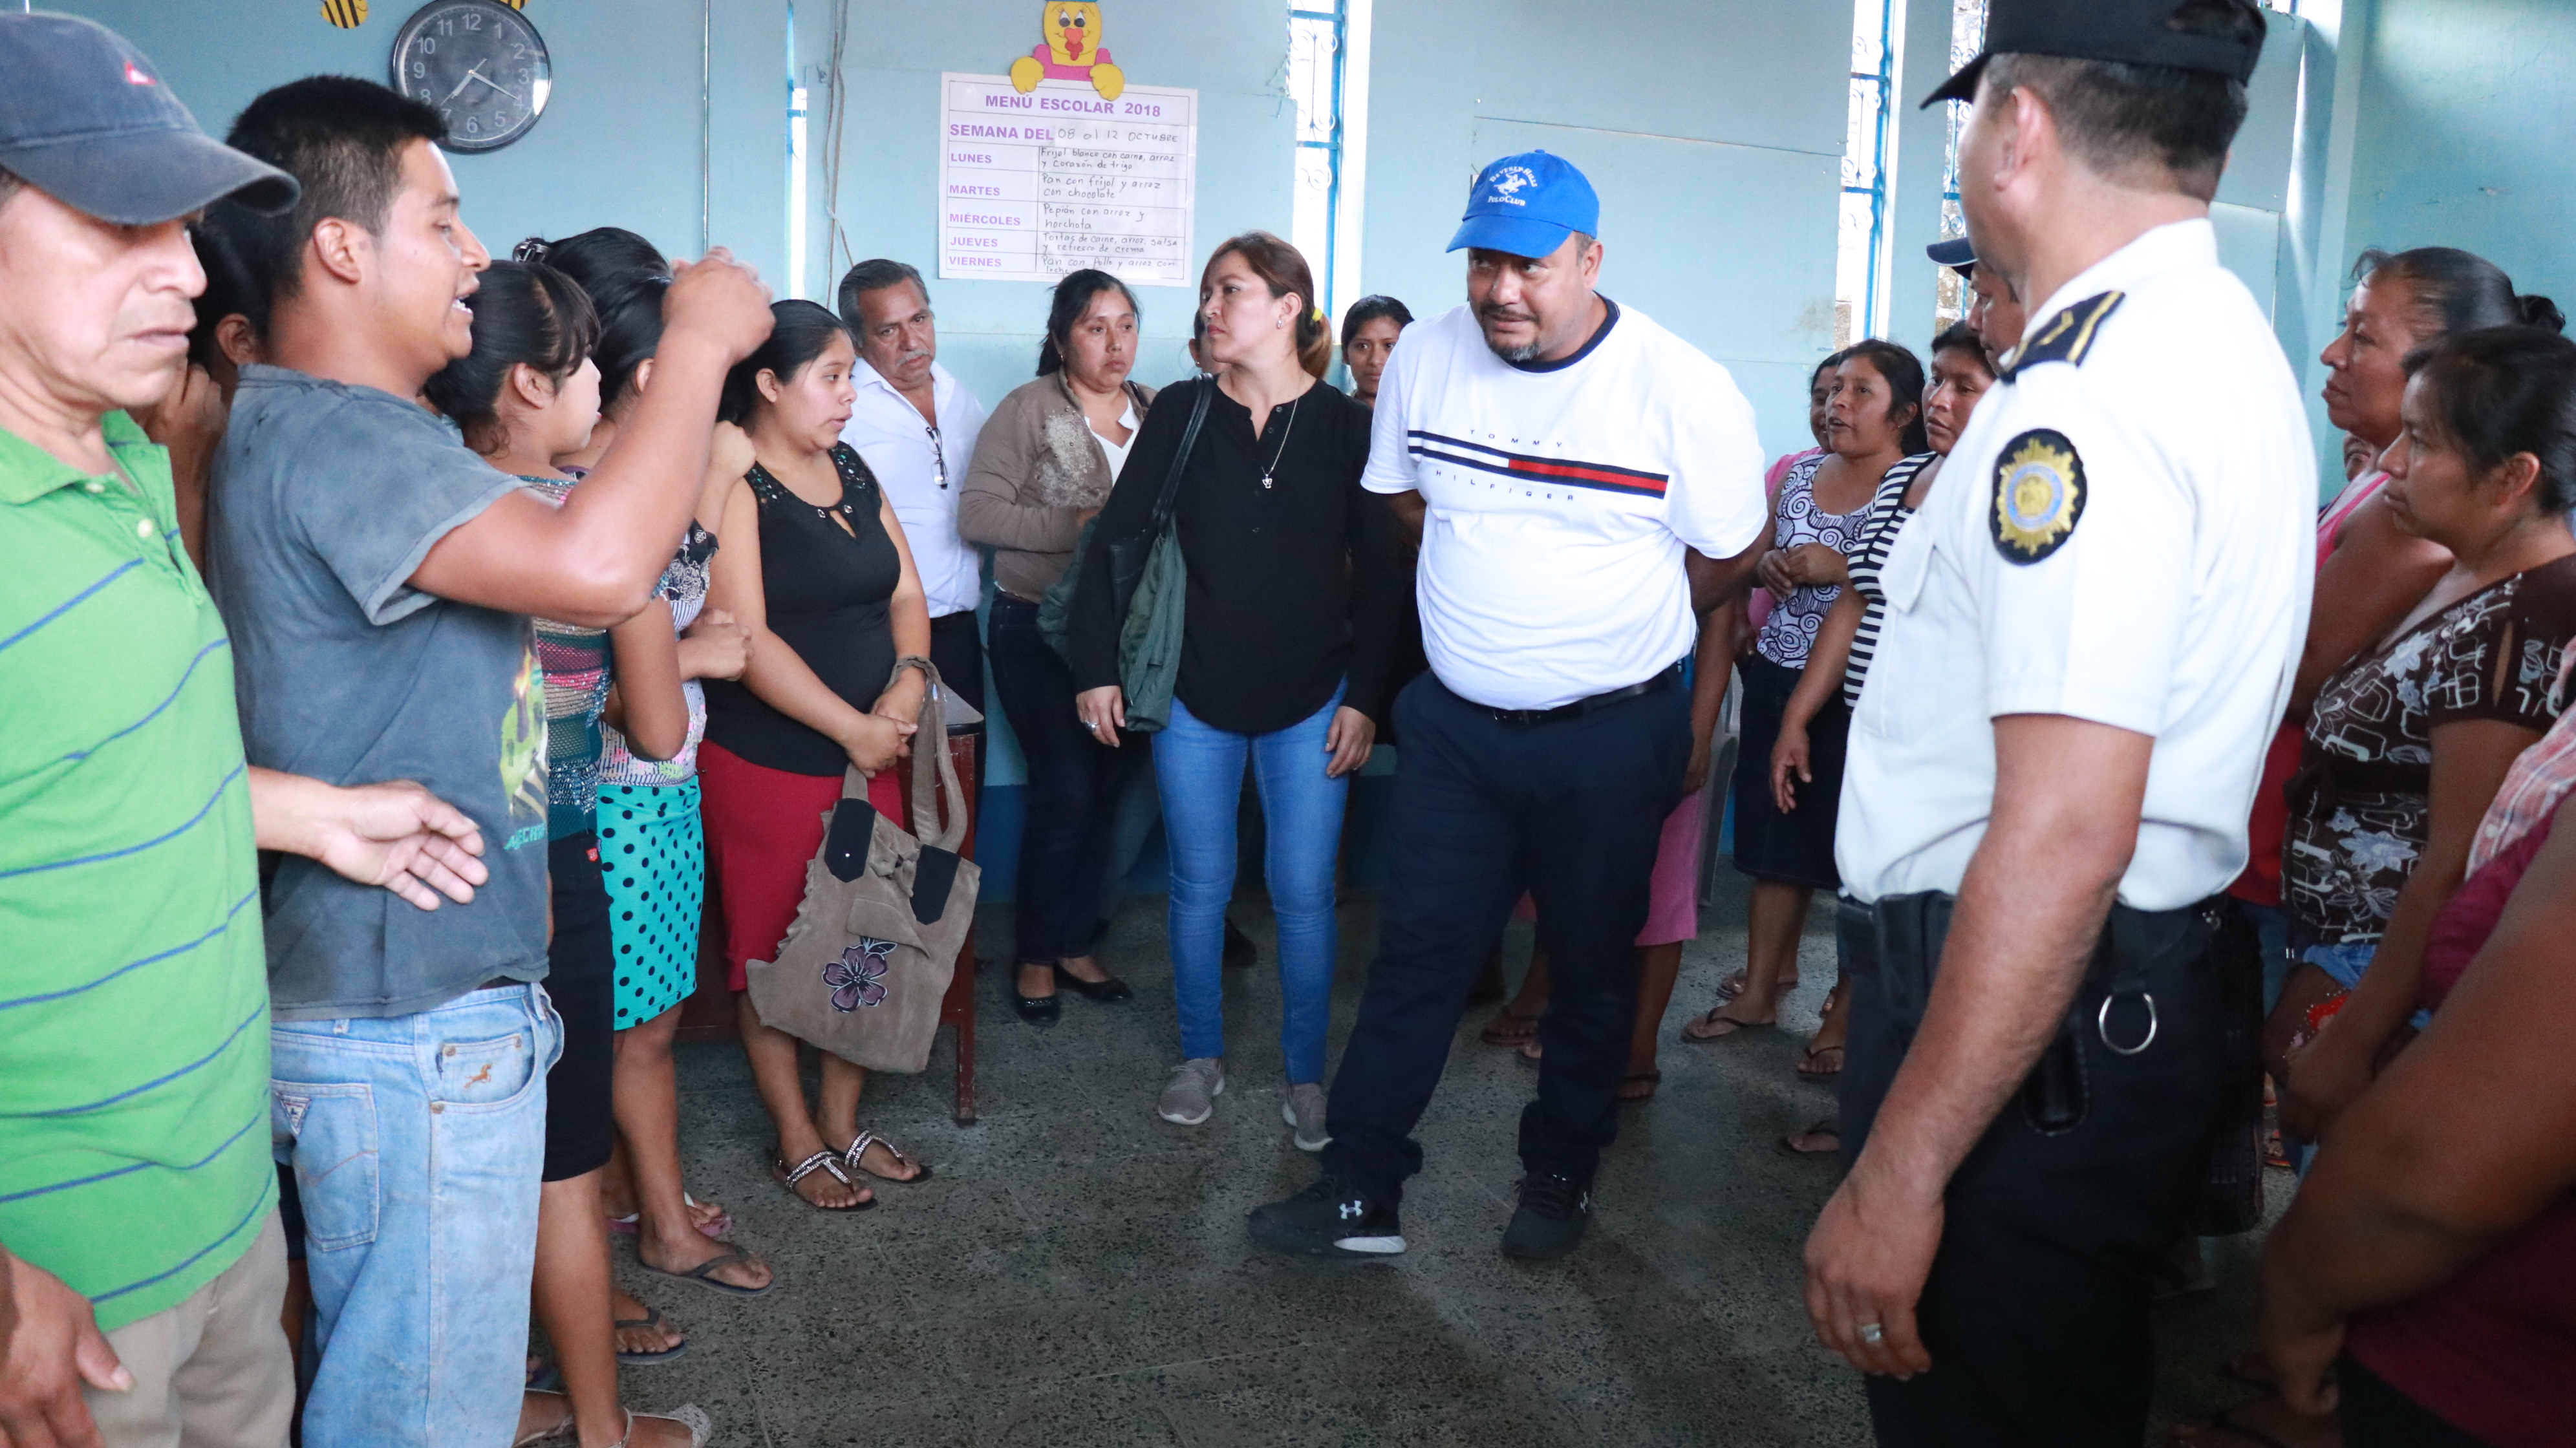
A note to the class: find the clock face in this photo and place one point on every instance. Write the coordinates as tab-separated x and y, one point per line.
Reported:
481	64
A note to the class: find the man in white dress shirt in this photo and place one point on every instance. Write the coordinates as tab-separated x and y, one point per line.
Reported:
2092	629
915	425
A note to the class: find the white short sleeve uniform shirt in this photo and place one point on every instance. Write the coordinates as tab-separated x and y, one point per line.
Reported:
2123	535
1560	498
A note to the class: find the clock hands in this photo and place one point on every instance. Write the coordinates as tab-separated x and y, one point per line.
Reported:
476	74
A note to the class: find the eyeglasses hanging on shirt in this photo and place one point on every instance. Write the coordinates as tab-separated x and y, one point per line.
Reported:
938	453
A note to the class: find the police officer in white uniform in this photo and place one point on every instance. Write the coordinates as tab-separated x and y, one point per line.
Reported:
2090	638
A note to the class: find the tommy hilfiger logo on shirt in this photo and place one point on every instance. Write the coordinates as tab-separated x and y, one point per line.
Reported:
1601	476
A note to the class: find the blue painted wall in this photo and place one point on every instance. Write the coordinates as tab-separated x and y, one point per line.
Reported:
621	141
2466	112
1713	130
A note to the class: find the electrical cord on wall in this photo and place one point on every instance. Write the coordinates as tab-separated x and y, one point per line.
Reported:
836	115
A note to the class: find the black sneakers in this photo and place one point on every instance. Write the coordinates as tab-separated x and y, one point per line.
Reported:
1332	1218
1550	1219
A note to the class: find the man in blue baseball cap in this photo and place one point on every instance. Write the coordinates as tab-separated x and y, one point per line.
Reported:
1562	457
141	1260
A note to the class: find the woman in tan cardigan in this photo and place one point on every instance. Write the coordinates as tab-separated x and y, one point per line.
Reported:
1043	466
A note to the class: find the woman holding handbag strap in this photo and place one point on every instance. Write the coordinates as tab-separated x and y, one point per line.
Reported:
1295	578
815	568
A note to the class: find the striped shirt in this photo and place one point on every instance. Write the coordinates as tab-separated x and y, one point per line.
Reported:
134	1153
1887	515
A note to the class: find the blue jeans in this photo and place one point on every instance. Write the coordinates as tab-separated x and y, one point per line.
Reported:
1200	768
416	1142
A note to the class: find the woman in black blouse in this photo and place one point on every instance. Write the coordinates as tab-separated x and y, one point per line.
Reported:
815	568
1295	586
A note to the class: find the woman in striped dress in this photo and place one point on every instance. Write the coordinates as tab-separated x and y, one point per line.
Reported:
1839	660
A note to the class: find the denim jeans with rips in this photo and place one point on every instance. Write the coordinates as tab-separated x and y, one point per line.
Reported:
417	1142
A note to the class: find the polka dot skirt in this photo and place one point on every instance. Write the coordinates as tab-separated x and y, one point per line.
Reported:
653	854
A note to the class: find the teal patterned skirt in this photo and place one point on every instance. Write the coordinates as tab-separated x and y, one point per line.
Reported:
652	851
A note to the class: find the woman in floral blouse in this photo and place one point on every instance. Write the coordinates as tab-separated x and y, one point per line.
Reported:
2407	745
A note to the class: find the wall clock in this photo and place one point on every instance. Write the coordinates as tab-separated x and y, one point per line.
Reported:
481	64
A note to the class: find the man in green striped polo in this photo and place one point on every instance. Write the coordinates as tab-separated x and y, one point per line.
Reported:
141	1262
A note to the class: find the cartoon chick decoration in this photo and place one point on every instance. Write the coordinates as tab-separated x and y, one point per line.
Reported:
1072	52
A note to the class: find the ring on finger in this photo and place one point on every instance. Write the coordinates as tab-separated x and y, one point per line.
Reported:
1872	1334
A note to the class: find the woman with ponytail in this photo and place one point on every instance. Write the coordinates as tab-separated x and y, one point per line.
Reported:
1295	588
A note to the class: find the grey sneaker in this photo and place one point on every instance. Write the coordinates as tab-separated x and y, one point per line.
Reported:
1191	1097
1305	1111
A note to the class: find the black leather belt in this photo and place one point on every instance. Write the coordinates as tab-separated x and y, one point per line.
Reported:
1522	718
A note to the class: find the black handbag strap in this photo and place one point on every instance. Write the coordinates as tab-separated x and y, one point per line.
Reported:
1170	498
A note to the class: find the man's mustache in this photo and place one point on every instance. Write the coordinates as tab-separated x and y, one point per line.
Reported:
1497	312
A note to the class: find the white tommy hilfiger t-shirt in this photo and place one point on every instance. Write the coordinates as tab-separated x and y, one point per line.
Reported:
1560	498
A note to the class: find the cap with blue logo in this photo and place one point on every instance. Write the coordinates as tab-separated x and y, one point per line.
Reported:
86	120
1527	205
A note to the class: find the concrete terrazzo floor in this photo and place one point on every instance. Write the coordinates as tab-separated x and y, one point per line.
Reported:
1078	1272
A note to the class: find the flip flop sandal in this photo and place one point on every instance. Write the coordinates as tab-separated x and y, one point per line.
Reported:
702	1273
567	1431
855	1159
1731	985
687	1415
652	1321
1652	1079
1508	1028
1808	1058
718	1228
1830	1126
1733	1026
826	1161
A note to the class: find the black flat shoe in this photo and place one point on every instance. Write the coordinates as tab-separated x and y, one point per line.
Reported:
1039	1011
1107	992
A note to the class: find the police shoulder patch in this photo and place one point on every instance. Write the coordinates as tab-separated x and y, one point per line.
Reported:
2067	336
2039	495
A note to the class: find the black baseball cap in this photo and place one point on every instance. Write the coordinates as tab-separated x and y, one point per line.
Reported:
1958	254
2139	32
85	119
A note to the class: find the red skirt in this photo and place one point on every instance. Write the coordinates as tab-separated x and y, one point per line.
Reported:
763	826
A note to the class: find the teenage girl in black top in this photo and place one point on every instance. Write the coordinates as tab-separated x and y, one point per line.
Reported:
815	568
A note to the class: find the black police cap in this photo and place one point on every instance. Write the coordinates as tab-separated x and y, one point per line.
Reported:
2139	32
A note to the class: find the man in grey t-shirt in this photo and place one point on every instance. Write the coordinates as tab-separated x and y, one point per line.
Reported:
332	494
376	577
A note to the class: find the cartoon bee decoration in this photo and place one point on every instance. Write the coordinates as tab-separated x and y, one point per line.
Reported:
1072	52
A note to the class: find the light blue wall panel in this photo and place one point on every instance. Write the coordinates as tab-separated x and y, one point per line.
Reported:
620	142
1712	128
2467	113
